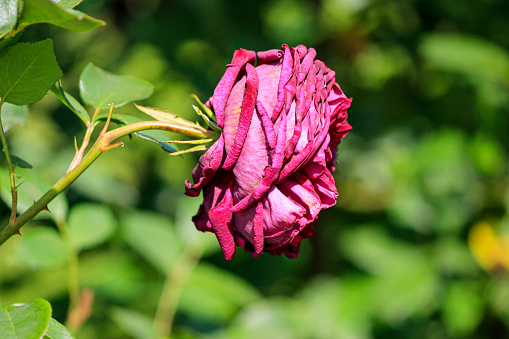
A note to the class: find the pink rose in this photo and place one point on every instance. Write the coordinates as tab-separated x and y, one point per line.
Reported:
268	175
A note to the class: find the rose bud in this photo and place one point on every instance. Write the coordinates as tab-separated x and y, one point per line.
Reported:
268	175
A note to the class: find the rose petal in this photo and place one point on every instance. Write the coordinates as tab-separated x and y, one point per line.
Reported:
220	218
240	58
248	106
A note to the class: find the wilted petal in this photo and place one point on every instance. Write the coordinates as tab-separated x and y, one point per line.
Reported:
240	58
268	177
220	218
207	166
248	106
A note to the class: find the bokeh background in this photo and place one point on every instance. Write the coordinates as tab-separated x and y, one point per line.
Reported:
418	244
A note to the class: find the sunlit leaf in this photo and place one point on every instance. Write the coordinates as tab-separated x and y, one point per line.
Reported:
25	321
91	224
490	249
57	331
68	4
27	71
99	88
8	15
48	11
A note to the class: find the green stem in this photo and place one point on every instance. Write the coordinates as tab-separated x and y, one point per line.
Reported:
176	279
72	270
64	182
10	166
102	144
84	144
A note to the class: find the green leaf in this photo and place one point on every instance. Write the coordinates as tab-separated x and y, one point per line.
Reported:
68	4
43	247
8	15
27	71
337	308
13	115
463	308
202	107
397	294
47	11
134	323
186	208
25	321
18	162
116	275
9	40
207	120
485	58
99	88
153	237
487	154
155	135
120	121
69	101
57	331
91	224
215	294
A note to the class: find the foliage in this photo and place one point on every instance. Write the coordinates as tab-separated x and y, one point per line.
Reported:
31	321
416	247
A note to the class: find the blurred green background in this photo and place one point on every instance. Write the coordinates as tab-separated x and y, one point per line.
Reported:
418	244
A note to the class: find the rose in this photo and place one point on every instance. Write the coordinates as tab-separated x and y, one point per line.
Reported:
268	175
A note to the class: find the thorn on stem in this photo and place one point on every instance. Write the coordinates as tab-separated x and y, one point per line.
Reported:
111	146
106	125
45	208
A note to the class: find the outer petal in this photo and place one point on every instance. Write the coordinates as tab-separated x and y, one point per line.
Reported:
248	106
240	58
220	218
207	167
